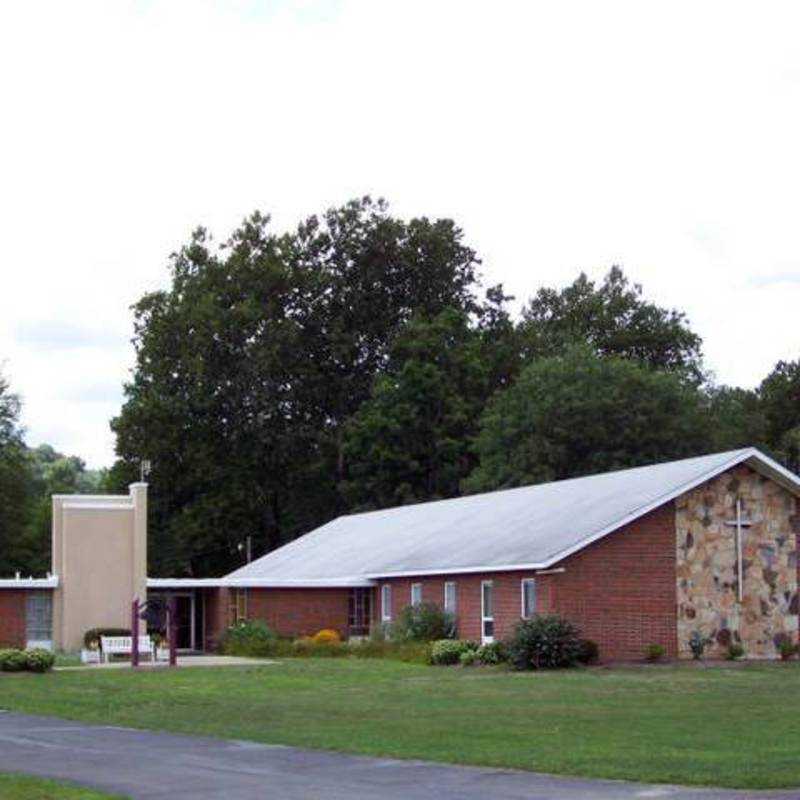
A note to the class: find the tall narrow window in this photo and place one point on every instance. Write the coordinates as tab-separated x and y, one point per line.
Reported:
360	612
386	603
450	597
528	598
487	612
416	594
237	606
39	619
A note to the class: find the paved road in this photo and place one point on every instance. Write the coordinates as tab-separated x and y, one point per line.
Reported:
150	765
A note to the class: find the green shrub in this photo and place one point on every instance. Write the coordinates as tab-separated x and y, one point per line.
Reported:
423	622
39	660
409	652
306	646
91	639
249	638
588	652
380	632
13	660
449	651
698	644
735	651
787	648
654	652
544	642
492	653
468	658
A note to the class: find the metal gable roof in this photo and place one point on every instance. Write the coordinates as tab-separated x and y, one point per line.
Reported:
531	527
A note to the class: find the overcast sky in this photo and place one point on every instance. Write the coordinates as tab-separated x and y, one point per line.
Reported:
562	136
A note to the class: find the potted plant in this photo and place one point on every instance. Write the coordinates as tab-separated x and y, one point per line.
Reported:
788	649
162	647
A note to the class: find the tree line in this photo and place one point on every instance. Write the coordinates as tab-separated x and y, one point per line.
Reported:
29	476
358	362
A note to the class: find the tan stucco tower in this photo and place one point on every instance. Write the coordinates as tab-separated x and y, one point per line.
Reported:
100	558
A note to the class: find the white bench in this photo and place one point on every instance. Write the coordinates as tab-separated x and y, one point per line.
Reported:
123	646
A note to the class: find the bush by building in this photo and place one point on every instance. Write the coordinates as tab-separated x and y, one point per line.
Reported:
544	642
423	622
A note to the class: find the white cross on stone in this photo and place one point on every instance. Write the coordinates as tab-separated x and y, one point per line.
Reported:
739	523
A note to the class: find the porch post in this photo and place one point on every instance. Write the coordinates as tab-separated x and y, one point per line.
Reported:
172	631
135	632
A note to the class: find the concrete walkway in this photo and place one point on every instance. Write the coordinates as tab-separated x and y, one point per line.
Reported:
145	765
183	661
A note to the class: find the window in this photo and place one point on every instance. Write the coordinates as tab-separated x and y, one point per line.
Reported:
39	619
360	612
487	612
237	607
416	594
528	598
386	603
450	597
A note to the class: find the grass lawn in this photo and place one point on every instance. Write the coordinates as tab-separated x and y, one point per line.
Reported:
20	787
735	727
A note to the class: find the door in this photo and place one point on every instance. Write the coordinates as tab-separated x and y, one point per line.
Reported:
184	618
487	612
39	620
360	612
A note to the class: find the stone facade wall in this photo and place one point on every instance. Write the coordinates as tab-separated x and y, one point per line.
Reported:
707	573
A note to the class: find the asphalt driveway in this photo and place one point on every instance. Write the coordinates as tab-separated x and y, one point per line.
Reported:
146	765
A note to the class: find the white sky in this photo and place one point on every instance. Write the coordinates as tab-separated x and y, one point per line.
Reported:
663	136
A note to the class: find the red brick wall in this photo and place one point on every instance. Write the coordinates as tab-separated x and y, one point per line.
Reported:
12	618
619	590
507	599
216	616
300	612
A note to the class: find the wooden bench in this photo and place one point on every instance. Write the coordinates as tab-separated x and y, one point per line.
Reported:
123	646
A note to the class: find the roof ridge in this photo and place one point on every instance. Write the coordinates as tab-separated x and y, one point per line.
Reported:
542	483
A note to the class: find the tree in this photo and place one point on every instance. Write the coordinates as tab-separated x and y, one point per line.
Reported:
780	398
578	414
736	418
410	440
15	483
250	365
613	319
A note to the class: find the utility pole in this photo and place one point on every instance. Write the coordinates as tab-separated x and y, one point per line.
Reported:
247	546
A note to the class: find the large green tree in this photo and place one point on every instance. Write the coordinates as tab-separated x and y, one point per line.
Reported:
15	484
251	364
736	418
614	319
410	441
577	413
780	400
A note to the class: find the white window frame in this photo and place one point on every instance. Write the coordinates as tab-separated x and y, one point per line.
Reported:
386	602
416	589
450	609
39	620
484	619
523	611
